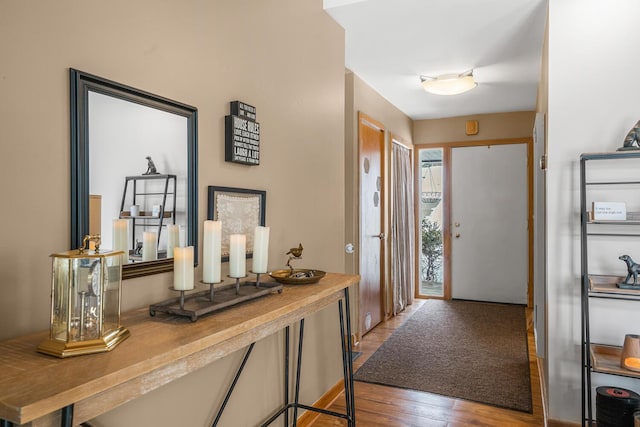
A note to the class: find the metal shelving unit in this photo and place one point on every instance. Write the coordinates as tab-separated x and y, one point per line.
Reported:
146	219
598	358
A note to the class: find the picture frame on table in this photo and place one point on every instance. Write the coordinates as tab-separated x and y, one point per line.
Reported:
240	210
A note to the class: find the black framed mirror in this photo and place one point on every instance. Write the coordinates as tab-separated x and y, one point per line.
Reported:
133	163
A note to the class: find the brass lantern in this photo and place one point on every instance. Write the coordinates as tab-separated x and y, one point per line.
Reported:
85	302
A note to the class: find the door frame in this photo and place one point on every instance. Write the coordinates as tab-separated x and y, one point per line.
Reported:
446	207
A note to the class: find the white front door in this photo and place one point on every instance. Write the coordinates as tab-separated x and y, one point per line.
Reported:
489	212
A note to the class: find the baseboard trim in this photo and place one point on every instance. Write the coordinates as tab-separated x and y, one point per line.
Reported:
543	390
542	375
556	423
309	417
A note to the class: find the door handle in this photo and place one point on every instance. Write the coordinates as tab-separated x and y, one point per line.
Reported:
457	235
380	236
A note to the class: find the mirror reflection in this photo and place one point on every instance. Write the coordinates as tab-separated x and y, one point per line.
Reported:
134	177
138	176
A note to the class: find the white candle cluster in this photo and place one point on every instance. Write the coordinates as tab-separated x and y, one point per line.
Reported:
183	267
237	252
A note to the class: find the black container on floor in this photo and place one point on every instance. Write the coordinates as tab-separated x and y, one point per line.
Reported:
615	406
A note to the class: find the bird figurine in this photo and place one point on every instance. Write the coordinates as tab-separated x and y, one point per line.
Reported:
296	252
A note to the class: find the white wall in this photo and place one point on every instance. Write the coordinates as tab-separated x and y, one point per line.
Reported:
593	86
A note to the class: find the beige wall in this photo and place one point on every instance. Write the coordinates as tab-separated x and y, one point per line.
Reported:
491	126
360	97
285	57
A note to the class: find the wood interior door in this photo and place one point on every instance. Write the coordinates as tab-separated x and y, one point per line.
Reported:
371	158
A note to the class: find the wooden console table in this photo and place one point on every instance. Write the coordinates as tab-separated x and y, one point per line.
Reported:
46	391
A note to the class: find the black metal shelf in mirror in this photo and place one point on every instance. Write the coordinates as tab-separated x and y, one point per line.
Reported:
119	132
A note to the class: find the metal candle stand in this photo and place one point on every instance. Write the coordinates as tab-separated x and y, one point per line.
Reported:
211	288
237	283
257	279
199	303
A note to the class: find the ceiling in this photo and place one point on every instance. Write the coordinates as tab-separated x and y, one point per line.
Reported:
390	43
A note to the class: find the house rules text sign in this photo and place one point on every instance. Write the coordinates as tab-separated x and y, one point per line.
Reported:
242	135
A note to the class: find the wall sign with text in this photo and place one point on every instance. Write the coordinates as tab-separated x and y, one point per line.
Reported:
242	135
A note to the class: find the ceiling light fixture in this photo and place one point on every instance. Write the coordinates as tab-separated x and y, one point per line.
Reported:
449	84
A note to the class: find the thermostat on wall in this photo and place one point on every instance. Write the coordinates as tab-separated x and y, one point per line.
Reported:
472	127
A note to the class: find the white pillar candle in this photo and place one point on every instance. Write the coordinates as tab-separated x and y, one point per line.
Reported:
260	249
121	238
211	251
149	246
183	268
173	239
237	255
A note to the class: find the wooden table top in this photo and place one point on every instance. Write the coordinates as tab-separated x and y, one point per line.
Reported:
159	350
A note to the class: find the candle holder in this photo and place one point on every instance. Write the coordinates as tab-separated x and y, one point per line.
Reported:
196	304
211	287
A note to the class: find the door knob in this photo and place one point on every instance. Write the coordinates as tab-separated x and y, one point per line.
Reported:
457	235
380	236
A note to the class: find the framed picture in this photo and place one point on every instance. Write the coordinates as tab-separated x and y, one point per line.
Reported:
240	210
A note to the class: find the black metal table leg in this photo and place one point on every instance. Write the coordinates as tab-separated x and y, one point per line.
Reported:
286	375
233	384
345	365
296	400
67	416
285	408
351	403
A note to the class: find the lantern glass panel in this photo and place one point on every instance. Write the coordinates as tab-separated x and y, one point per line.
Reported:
60	302
86	299
111	305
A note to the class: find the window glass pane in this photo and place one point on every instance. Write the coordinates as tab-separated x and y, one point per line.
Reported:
430	226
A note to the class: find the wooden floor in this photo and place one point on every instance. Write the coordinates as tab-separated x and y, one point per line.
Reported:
390	407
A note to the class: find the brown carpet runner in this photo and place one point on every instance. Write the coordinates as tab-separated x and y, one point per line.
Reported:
469	350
